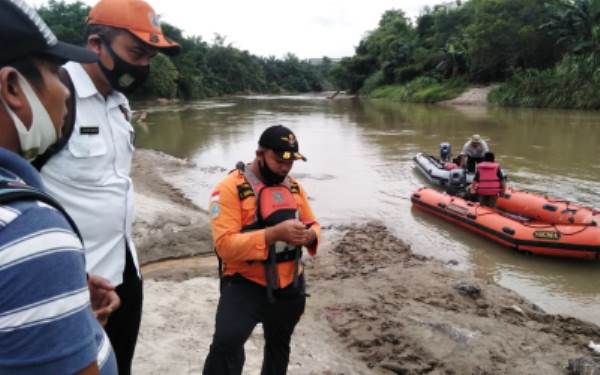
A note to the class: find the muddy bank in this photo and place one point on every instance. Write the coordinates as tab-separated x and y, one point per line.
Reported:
410	314
375	306
474	96
167	224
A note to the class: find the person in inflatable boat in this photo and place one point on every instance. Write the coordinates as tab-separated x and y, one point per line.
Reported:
489	181
473	151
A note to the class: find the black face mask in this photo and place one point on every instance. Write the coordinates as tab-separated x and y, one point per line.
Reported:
269	177
124	77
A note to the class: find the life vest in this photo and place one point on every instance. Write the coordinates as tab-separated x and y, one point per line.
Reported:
274	204
489	182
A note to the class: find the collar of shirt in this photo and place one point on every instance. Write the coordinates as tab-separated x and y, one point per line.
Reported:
85	88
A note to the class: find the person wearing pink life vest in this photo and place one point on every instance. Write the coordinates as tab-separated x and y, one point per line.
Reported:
489	181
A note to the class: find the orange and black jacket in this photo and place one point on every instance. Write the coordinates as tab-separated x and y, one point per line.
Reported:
232	206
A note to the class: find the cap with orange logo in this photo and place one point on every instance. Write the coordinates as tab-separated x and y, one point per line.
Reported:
281	140
135	16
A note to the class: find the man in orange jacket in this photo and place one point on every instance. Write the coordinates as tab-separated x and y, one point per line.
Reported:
260	220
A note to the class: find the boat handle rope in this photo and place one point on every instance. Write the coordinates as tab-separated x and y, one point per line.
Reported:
538	226
574	233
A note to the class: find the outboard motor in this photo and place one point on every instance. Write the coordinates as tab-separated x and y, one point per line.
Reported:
445	151
457	181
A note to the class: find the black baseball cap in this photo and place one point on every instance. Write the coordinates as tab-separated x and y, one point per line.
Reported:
281	140
24	33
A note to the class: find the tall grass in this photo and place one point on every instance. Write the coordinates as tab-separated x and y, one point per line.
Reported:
421	90
573	83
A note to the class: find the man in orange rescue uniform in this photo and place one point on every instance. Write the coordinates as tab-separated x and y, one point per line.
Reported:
260	220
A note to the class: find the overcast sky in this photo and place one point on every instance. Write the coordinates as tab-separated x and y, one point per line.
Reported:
308	28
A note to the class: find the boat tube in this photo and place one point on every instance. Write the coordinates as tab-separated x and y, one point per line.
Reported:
547	209
580	239
441	173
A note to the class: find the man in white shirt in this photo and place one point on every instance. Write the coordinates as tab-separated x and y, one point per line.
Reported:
474	149
90	176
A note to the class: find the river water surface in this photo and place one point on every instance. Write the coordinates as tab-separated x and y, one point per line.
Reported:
360	168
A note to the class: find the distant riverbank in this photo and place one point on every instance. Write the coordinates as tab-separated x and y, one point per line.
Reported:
426	90
574	83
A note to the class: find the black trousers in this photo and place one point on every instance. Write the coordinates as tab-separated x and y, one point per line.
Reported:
124	324
242	305
488	200
472	164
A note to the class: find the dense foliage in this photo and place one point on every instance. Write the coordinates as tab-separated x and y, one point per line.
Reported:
202	69
543	49
573	83
422	90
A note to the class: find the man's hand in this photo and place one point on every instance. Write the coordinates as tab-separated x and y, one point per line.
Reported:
103	297
291	231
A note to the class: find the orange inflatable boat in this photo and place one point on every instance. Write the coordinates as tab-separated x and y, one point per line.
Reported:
557	237
546	209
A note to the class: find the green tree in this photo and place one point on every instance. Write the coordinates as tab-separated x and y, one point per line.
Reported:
575	24
435	26
163	78
506	35
67	21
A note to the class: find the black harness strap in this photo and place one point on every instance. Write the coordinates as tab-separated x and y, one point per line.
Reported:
11	192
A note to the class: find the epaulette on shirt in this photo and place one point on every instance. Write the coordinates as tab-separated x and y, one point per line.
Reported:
294	187
245	191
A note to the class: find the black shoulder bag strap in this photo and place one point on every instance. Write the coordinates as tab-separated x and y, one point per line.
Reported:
68	125
9	192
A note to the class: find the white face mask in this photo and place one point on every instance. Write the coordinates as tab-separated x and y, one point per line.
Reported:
41	133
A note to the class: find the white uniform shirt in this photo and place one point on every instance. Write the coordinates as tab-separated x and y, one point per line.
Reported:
90	176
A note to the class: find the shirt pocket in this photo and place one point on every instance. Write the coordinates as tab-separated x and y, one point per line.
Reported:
87	161
87	145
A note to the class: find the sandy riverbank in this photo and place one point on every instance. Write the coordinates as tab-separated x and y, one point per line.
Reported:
474	96
375	307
